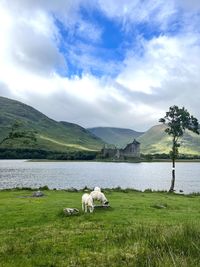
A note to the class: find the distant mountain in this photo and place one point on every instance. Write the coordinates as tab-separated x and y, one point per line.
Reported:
155	140
64	136
117	136
51	135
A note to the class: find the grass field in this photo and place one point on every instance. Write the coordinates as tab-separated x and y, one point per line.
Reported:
139	229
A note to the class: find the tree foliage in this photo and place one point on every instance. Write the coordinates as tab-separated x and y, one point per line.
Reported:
18	132
177	121
29	153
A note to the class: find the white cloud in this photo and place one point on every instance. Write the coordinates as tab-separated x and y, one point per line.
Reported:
88	31
58	6
29	42
168	72
165	72
137	11
193	5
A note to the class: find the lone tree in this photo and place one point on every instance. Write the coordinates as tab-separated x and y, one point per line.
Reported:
177	121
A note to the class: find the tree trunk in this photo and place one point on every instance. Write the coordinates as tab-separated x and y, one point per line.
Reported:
173	176
174	154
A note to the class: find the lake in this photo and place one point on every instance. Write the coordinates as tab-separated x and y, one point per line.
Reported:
64	175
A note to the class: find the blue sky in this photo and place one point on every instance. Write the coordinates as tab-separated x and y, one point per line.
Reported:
113	38
101	63
109	44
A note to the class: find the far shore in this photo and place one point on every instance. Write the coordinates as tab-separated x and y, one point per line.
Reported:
108	190
114	161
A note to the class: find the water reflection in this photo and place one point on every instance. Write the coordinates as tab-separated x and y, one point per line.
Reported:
62	175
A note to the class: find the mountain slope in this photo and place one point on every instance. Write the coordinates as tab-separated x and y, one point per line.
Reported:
155	140
51	135
116	136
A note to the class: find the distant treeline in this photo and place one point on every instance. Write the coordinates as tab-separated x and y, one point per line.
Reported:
25	153
7	153
150	157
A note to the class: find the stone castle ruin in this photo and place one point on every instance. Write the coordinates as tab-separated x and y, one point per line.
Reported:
131	150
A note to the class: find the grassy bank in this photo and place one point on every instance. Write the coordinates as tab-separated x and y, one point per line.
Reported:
140	229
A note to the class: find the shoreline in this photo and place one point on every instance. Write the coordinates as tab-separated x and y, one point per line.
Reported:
109	161
108	190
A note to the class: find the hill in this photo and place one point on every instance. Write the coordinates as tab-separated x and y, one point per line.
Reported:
64	136
155	140
51	135
117	136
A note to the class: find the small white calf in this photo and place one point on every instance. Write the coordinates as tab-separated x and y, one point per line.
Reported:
87	203
96	195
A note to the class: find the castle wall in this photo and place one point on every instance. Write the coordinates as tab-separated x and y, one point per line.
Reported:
131	150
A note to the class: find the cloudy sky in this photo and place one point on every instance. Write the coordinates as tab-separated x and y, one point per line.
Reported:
101	62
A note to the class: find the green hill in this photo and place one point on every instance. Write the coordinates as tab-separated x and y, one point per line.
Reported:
65	137
117	136
50	134
155	140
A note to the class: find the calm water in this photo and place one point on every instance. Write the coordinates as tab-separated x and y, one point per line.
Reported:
63	175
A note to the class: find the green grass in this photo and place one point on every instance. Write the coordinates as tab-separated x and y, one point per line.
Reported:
135	231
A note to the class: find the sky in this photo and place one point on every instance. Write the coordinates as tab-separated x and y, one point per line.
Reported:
101	62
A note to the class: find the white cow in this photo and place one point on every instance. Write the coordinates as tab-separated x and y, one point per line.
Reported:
87	203
97	195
